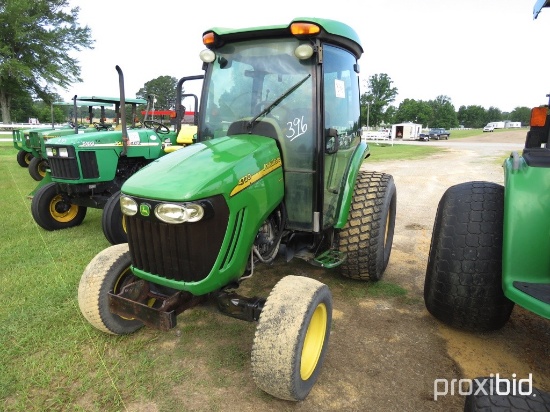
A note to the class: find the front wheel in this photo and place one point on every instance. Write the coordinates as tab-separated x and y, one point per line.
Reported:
24	158
54	211
108	271
112	221
463	284
367	237
37	168
292	337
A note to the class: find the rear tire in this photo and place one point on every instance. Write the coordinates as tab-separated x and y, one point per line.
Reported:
52	211
24	158
367	237
37	168
463	285
292	337
112	221
484	397
108	271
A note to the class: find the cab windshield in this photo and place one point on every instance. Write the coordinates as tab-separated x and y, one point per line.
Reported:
249	77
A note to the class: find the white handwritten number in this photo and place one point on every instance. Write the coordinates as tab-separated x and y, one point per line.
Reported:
296	128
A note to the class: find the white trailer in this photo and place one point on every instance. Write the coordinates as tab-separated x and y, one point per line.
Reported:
497	125
406	131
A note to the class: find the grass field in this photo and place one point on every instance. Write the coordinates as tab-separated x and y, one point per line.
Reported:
53	360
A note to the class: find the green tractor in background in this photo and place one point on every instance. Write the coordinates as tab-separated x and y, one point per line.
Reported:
276	171
88	170
38	165
489	251
490	243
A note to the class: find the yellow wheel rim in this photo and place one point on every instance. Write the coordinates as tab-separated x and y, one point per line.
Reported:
65	216
121	282
42	169
313	343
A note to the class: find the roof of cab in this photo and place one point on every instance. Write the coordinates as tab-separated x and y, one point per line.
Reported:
333	30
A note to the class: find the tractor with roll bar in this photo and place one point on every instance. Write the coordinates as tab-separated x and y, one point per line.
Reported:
38	165
276	172
87	170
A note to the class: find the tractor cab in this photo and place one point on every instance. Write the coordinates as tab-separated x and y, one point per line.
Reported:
300	92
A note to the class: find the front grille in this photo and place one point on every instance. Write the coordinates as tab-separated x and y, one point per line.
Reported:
183	252
63	167
88	163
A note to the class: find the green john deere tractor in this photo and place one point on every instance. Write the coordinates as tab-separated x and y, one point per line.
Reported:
38	165
276	171
87	170
489	247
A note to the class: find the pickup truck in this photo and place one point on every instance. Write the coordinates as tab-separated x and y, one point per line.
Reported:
439	133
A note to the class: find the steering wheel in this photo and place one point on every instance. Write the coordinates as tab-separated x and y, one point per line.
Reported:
156	126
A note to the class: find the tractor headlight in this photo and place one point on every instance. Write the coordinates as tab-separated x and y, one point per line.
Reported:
172	213
49	151
128	206
63	152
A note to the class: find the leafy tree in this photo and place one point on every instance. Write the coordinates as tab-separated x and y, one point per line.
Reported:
416	111
163	89
444	114
36	40
390	115
493	115
379	95
521	114
472	116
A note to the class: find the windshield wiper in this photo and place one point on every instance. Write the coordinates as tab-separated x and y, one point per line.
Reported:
277	101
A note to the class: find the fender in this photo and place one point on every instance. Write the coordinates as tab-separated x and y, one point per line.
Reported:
361	153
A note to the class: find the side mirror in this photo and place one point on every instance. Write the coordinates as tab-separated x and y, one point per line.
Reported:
332	143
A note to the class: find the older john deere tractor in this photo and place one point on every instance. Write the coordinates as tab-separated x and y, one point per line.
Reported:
275	171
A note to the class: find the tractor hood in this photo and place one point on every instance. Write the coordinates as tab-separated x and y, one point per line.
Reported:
226	165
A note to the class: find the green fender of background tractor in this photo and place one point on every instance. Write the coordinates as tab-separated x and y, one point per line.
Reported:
358	157
526	236
245	169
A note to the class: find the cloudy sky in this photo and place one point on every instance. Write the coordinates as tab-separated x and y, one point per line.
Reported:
476	52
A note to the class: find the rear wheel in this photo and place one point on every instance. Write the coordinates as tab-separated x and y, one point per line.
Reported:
292	337
54	211
367	237
108	271
24	158
463	285
112	221
37	168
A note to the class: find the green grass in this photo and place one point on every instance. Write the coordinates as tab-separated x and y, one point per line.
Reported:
53	360
385	152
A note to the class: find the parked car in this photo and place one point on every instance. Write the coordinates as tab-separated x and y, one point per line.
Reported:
425	137
488	128
439	133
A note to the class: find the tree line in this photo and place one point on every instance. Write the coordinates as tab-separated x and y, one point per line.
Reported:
377	111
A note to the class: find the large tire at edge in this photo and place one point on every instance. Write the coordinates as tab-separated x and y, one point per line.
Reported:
52	211
483	396
112	221
108	271
463	284
292	337
367	237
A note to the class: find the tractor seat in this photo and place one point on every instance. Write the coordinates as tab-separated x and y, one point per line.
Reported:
185	138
